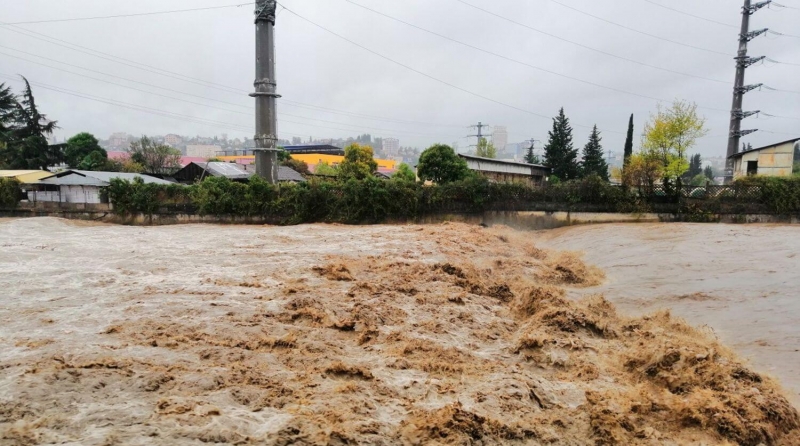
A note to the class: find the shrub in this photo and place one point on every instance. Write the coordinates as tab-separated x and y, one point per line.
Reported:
780	194
10	192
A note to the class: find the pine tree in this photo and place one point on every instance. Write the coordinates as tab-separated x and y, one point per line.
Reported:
26	137
559	154
594	162
530	157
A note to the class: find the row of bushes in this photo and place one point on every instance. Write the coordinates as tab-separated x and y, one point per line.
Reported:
373	200
779	194
356	201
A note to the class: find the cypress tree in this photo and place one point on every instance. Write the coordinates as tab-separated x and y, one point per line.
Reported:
594	162
629	143
559	154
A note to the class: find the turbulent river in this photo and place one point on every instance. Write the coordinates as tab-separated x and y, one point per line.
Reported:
742	281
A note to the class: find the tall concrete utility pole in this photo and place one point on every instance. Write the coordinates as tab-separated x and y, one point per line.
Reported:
266	93
739	89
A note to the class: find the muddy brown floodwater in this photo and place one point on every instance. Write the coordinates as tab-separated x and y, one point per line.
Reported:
389	335
743	281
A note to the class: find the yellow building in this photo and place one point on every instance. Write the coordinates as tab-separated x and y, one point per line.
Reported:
775	160
25	176
312	159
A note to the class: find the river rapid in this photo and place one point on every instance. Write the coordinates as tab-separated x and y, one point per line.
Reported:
742	281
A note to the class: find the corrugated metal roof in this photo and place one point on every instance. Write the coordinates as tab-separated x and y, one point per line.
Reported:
228	170
25	176
289	174
100	179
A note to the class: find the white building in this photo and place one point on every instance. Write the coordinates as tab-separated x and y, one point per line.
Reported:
500	137
776	160
79	186
391	146
173	139
202	151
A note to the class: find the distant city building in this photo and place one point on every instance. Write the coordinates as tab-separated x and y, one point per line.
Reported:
202	151
391	146
500	137
118	141
173	140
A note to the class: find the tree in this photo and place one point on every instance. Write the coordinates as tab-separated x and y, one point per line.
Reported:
25	134
628	151
79	147
358	163
325	169
559	154
405	173
155	158
485	149
669	134
298	166
530	157
594	162
642	172
96	161
698	180
440	164
709	173
8	106
695	167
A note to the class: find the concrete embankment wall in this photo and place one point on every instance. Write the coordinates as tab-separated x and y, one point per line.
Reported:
527	220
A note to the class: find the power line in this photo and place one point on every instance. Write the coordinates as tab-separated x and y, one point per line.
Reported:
201	104
128	15
117	59
228	125
690	14
638	31
422	73
512	59
226	89
575	43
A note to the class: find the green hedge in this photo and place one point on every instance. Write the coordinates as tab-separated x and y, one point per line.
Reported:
10	192
780	194
353	201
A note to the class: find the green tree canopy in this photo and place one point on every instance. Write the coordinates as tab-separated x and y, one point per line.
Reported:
485	149
628	150
96	161
709	173
695	167
594	162
325	169
440	164
358	163
559	154
670	133
405	173
531	157
25	131
80	146
155	158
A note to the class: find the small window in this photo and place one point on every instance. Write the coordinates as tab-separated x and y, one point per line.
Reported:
752	168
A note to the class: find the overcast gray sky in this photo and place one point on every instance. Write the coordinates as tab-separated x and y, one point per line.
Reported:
316	68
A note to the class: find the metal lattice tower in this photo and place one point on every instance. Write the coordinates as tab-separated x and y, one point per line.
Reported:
266	95
743	61
480	135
